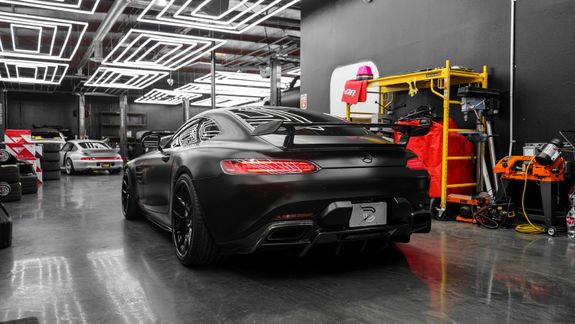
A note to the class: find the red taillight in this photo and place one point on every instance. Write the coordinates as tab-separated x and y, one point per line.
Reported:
267	166
415	164
96	158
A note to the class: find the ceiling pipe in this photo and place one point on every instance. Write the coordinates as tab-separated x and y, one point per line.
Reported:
113	15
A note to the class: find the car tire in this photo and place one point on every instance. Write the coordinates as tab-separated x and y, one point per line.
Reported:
50	157
15	192
6	157
192	241
25	168
50	166
9	173
29	184
130	207
50	148
51	175
70	167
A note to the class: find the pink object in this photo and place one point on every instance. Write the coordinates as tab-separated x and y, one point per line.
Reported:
364	73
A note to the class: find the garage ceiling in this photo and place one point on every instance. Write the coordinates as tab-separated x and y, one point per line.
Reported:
136	45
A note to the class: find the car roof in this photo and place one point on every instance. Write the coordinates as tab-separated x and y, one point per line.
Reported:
85	141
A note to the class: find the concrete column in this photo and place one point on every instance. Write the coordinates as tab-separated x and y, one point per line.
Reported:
124	126
276	83
187	112
81	116
213	77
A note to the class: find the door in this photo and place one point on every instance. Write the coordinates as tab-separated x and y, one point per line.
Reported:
157	170
64	153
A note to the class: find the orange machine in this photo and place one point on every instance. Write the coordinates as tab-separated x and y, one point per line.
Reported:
519	167
526	168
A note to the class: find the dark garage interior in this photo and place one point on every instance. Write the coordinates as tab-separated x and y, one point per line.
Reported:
297	161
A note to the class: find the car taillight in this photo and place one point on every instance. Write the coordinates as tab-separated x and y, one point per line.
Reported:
415	164
253	166
86	158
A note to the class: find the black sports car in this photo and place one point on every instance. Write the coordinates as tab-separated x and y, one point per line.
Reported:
237	180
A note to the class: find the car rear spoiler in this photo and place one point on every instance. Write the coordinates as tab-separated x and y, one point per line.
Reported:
406	131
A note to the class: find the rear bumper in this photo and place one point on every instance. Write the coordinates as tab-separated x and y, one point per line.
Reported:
97	165
304	235
236	207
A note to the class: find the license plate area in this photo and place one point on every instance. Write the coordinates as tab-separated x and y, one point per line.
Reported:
105	165
368	214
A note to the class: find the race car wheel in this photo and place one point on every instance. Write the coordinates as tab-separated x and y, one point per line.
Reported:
14	191
194	244
29	183
50	157
50	147
129	204
70	167
10	173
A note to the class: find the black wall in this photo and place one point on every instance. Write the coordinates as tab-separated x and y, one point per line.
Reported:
408	35
27	109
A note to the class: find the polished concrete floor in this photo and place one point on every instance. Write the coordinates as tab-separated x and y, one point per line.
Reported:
75	260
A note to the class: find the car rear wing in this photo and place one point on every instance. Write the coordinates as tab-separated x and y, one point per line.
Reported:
406	131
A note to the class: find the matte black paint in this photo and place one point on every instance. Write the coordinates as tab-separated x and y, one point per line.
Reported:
237	207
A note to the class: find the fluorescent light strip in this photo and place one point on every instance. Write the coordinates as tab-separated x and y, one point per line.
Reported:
166	97
194	16
54	78
241	79
42	23
204	88
125	54
109	77
224	101
215	25
59	5
296	71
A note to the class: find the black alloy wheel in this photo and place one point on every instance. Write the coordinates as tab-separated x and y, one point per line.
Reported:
192	240
182	219
129	204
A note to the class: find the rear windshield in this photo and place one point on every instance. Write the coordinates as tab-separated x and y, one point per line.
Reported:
253	117
93	145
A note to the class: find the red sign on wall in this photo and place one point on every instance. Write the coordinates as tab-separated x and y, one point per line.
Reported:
19	144
355	91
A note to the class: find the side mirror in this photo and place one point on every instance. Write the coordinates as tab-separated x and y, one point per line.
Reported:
163	141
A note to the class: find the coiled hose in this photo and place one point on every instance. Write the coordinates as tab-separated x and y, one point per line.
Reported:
528	228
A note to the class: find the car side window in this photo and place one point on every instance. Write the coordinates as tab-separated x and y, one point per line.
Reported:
74	148
67	147
187	136
208	129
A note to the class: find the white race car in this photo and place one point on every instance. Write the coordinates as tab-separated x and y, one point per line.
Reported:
89	155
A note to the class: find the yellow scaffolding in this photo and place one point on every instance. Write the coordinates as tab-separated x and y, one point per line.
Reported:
434	80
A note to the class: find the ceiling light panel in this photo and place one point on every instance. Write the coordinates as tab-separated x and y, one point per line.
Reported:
225	101
117	78
162	51
40	37
237	18
166	97
32	72
204	88
241	79
76	6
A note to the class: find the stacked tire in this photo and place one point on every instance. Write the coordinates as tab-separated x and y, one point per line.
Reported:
50	161
10	187
28	178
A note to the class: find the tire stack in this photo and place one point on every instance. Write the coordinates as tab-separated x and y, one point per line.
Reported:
10	187
28	178
50	161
